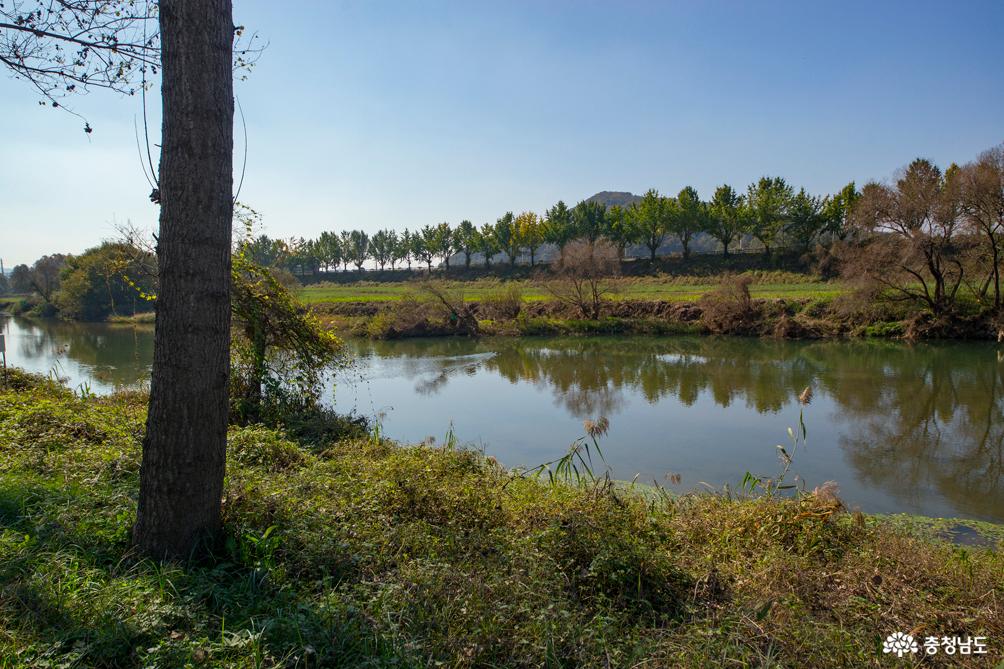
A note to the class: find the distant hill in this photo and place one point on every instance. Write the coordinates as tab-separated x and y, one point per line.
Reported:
609	198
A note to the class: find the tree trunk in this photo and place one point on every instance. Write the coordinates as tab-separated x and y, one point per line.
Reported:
184	451
255	333
996	273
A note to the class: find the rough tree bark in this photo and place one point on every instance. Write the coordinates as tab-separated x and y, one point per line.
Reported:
184	452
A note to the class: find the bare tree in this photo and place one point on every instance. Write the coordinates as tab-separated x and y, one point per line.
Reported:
451	307
581	278
982	201
65	46
909	236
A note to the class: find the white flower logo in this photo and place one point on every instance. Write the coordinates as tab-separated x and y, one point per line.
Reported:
899	643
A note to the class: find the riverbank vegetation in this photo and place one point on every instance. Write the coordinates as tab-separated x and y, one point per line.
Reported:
737	305
354	551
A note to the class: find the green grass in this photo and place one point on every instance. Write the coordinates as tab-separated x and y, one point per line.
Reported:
364	553
142	317
678	289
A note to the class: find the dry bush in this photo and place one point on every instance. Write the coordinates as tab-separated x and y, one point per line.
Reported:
582	277
449	306
864	304
729	309
502	304
405	316
433	308
824	260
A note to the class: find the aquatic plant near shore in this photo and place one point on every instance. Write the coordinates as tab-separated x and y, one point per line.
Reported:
773	485
576	465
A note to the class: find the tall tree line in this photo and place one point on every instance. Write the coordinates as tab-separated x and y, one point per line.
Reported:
769	214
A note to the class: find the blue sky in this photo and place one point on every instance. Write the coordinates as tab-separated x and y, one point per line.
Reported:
372	114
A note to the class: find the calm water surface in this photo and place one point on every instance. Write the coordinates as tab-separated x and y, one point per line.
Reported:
900	428
101	356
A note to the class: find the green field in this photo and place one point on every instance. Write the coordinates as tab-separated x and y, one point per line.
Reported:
678	289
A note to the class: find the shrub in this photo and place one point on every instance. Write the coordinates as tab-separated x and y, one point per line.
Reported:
581	277
281	353
259	446
21	381
21	306
729	309
404	316
885	329
448	306
610	550
502	304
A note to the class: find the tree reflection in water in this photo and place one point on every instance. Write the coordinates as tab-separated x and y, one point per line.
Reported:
936	419
910	418
106	356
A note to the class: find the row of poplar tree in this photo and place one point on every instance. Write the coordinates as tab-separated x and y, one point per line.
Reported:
770	212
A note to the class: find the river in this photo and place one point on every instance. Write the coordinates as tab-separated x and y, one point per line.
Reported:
900	428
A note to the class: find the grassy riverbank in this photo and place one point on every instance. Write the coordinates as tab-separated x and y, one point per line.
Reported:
754	303
769	303
364	553
788	318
